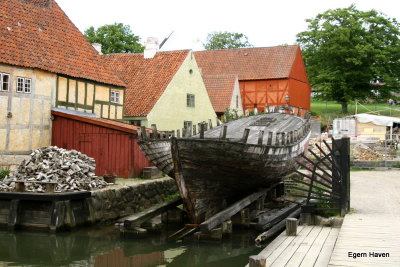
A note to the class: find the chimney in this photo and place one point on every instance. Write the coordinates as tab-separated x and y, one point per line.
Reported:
151	47
97	46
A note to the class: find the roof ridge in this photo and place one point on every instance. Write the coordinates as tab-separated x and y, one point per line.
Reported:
244	48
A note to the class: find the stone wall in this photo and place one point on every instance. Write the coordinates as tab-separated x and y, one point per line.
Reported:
112	203
376	164
12	161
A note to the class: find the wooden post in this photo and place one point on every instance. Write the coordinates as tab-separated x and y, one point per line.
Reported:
257	261
154	129
341	152
299	112
277	137
218	123
50	188
202	129
283	139
210	123
245	135
20	186
173	133
194	130
269	142
144	133
178	133
13	218
222	134
291	226
260	137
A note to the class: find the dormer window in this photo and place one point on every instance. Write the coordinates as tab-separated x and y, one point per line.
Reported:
24	85
4	81
114	97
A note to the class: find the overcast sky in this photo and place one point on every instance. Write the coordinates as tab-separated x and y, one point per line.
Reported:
265	22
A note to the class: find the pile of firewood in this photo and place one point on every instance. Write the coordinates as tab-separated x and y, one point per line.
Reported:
70	169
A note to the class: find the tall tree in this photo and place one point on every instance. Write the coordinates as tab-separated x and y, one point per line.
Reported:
114	38
226	40
352	54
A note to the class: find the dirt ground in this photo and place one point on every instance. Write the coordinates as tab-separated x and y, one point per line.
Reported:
375	192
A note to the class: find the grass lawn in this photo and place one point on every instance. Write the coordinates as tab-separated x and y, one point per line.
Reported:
329	110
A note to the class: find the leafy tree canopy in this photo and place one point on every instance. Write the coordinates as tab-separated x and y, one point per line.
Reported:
226	40
352	54
114	38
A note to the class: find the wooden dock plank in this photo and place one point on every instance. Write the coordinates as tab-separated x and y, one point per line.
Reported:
327	249
271	247
316	249
290	242
294	246
304	248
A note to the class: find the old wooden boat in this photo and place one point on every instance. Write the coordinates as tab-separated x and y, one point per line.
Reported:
216	167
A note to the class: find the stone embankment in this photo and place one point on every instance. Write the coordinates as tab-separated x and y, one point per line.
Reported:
127	198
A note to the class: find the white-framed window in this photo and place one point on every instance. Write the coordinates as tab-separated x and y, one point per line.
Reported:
24	85
4	81
114	97
190	100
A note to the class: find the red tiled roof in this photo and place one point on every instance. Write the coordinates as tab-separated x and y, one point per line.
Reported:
220	89
146	78
38	34
248	63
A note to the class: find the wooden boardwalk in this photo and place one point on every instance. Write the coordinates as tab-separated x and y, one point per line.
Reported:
374	226
312	246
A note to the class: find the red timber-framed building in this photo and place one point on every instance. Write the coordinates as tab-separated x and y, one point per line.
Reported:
267	75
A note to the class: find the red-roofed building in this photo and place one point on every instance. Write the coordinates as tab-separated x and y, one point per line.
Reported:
224	93
267	75
166	90
45	62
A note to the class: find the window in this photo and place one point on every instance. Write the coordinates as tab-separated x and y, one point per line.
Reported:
114	97
190	100
187	124
24	85
4	81
136	122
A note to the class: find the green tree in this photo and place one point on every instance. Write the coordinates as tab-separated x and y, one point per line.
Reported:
351	54
226	40
114	38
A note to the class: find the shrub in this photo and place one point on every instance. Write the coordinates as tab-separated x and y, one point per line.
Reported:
4	172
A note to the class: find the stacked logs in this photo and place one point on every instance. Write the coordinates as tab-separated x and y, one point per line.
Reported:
69	169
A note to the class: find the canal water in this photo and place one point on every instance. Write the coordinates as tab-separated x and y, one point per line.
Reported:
102	246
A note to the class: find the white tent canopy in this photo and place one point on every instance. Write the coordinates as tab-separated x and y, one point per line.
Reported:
377	120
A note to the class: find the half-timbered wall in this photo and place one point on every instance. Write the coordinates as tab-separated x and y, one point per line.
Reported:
294	90
25	122
86	96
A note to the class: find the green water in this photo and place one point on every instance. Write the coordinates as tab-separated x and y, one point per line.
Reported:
103	247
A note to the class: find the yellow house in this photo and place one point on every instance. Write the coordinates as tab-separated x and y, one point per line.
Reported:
46	62
166	89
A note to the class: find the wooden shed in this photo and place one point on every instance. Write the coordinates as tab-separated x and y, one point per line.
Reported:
112	144
267	75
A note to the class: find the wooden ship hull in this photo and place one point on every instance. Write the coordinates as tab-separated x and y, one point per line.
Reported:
216	167
158	151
